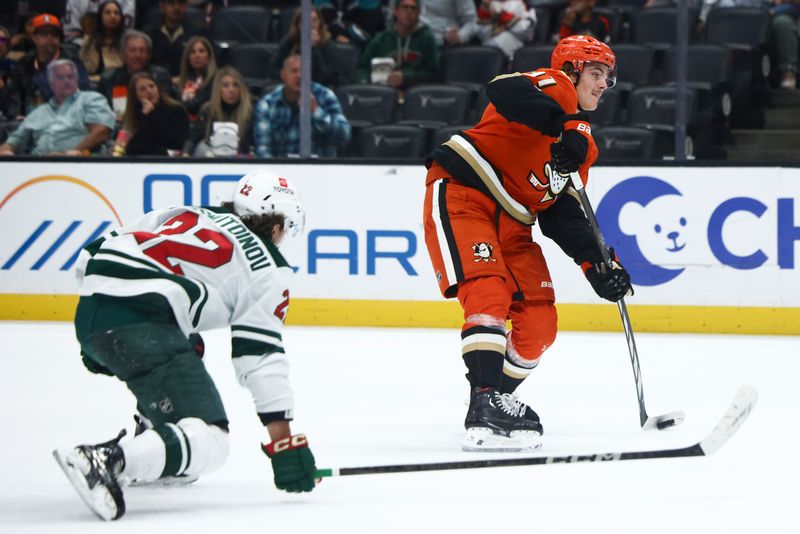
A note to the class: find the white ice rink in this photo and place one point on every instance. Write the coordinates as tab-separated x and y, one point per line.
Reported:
381	396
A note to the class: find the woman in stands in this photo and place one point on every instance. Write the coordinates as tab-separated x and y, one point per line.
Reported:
322	50
224	126
156	125
198	67
101	51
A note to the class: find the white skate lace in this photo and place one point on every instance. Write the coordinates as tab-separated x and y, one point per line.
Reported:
510	403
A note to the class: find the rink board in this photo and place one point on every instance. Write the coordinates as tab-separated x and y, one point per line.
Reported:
709	249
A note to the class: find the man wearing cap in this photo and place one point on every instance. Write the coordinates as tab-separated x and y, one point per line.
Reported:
30	86
14	13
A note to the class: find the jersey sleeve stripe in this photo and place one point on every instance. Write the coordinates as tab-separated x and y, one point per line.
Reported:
131	259
483	169
258	337
270	333
112	269
249	347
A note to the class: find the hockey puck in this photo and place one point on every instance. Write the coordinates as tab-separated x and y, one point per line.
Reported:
661	425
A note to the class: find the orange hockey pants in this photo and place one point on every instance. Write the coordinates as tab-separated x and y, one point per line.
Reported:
489	261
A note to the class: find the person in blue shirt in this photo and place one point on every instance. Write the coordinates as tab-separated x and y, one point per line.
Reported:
276	124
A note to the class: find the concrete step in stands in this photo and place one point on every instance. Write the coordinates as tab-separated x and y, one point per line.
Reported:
779	140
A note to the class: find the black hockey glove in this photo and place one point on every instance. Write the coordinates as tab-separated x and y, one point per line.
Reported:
610	284
292	463
569	153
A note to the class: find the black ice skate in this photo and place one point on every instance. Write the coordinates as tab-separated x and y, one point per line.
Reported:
500	422
93	471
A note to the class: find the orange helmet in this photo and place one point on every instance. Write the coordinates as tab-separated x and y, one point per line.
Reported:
578	50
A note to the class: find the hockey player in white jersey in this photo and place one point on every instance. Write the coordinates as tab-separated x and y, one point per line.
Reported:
145	288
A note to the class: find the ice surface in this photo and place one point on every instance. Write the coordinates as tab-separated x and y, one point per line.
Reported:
380	396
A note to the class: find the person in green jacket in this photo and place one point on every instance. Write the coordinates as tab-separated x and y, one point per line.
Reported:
410	44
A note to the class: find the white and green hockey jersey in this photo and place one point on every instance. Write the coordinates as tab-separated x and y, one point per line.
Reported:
214	272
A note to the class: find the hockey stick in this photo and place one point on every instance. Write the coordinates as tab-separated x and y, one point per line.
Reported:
662	421
733	418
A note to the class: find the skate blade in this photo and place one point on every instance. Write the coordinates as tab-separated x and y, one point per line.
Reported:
166	482
484	440
98	499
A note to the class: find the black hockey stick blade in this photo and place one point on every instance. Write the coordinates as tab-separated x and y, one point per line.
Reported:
734	417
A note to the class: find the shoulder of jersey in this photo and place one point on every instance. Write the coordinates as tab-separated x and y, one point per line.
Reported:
557	85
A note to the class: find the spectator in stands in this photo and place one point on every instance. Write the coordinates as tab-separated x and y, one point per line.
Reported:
353	22
506	24
84	16
707	5
136	47
101	50
323	68
22	41
198	67
6	67
580	19
785	33
225	124
72	123
171	34
452	22
14	14
6	63
155	124
276	128
29	79
409	44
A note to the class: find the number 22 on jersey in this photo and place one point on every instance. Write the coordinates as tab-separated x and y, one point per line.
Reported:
168	252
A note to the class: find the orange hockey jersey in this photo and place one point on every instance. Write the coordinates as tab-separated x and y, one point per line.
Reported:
507	154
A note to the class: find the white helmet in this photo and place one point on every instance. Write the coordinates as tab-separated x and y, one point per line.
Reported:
261	192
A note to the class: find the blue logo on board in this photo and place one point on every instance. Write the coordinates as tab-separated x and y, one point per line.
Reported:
667	231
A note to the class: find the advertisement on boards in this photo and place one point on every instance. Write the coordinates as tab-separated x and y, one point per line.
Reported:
688	236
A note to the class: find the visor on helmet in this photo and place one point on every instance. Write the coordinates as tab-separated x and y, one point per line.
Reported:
611	77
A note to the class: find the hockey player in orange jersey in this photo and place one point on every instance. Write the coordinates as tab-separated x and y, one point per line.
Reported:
486	187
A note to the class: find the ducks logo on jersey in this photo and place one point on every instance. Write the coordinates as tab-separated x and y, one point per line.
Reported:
483	252
552	185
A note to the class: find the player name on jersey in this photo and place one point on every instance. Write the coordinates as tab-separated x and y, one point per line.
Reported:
254	249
